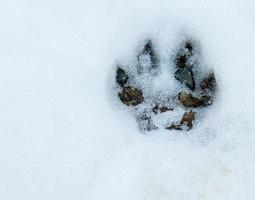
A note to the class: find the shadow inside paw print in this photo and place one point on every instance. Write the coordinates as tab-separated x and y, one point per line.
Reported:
157	107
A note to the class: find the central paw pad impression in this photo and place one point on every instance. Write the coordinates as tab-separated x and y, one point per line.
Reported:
169	94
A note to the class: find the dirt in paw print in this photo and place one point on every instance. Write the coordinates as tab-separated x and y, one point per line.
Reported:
168	94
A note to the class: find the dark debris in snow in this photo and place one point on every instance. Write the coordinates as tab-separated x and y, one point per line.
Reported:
131	96
195	93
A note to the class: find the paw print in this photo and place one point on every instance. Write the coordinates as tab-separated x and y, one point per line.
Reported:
170	94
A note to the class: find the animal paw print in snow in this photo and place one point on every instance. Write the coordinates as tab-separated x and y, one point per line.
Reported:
174	106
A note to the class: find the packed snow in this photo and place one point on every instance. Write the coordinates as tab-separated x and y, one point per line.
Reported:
64	134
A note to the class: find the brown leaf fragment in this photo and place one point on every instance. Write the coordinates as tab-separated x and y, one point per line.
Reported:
131	96
208	87
174	127
209	83
161	109
186	122
188	118
188	100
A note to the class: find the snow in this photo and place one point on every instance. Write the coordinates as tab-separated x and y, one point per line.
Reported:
64	135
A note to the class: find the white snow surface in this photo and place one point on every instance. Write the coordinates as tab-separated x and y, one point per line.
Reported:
65	136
